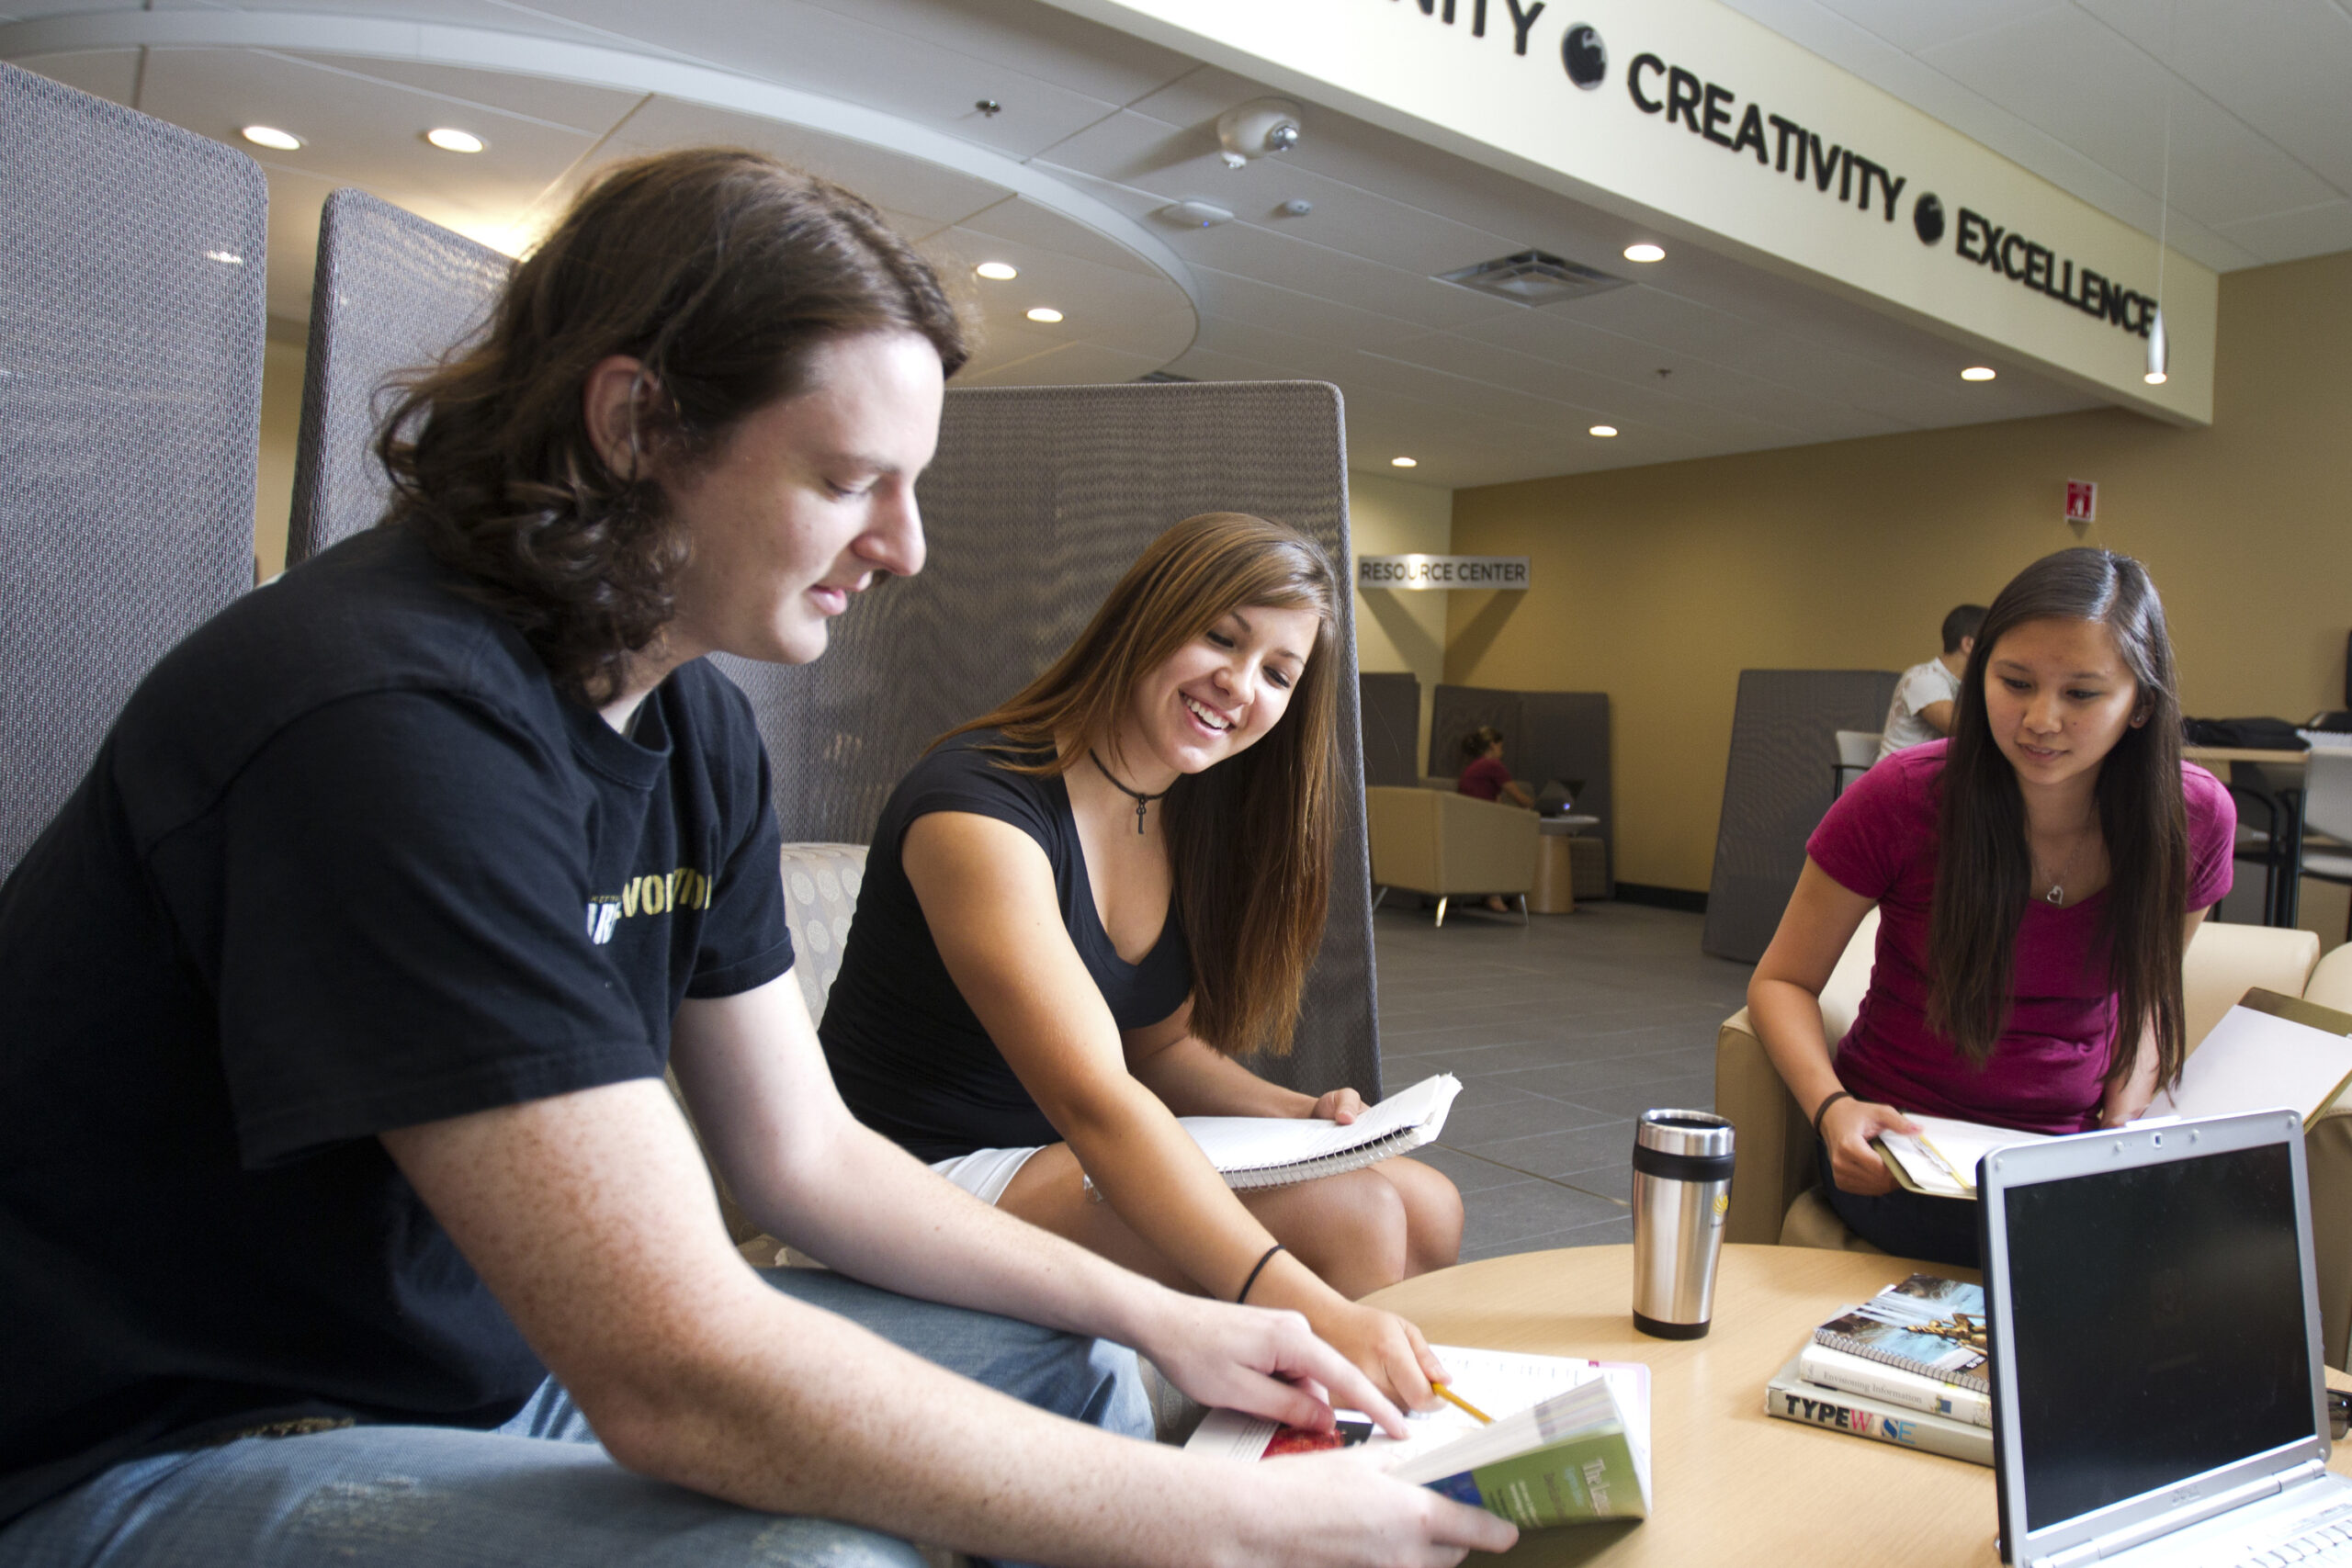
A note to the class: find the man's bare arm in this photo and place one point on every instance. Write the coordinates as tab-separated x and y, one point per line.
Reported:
809	1173
590	1217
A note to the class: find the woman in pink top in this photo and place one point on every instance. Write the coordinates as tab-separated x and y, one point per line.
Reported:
2038	877
1482	774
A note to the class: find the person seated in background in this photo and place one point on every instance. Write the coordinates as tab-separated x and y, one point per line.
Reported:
2039	877
1081	908
1922	708
323	974
1482	776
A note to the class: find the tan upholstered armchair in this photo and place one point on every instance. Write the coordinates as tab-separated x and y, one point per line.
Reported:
1427	842
1775	1196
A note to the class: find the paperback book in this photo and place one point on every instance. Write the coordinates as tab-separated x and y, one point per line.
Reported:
1569	1443
1926	1325
1791	1398
2268	1049
1850	1373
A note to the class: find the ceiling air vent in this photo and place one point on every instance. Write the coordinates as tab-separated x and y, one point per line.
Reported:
1533	277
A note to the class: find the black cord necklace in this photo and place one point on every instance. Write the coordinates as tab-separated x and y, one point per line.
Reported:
1141	799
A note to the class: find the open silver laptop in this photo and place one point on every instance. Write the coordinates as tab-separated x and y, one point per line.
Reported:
2158	1398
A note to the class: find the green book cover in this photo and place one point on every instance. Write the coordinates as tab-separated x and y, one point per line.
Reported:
1587	1476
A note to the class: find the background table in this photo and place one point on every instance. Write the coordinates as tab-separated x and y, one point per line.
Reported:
2279	775
1729	1484
1556	869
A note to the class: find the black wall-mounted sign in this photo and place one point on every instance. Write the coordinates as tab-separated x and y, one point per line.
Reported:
1704	109
1672	95
1583	56
2037	267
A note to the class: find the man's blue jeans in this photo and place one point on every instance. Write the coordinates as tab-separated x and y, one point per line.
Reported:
539	1489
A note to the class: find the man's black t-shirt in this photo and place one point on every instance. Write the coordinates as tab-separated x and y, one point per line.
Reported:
347	862
909	1054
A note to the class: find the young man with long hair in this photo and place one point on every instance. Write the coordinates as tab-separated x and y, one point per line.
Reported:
2037	877
344	1215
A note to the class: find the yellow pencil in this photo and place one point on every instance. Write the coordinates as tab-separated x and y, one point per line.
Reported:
1459	1402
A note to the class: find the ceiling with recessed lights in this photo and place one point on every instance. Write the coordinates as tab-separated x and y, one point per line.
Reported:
1005	131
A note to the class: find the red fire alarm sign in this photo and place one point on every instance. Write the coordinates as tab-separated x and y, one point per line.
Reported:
2081	502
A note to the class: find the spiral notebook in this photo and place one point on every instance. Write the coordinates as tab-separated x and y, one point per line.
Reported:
1251	1152
1927	1324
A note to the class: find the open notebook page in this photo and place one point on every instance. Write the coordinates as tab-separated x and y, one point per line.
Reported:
1257	1143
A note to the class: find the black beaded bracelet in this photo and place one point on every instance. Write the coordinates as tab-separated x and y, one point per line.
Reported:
1822	1109
1269	1257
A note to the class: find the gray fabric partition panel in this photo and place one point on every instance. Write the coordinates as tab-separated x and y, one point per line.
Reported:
1391	704
1564	735
130	358
394	293
1546	736
1038	500
1776	785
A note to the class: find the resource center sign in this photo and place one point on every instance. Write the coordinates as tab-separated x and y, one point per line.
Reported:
1423	573
1690	119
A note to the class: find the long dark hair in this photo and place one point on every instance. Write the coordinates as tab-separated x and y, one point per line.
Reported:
1983	864
722	271
1248	839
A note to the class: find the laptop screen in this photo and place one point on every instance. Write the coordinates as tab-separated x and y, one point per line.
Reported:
2158	1325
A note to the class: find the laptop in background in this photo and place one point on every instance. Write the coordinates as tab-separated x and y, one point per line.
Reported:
2158	1398
1558	796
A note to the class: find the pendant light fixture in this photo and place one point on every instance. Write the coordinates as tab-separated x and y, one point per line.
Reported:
2156	347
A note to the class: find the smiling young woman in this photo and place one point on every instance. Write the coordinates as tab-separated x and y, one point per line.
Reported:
2038	876
1081	908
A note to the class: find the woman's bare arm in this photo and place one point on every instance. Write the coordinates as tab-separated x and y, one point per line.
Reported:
2129	1100
1784	1004
988	893
1193	1078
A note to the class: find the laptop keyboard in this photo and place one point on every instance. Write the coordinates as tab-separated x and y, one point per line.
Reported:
2317	1538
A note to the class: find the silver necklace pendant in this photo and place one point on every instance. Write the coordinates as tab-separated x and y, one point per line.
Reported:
2057	893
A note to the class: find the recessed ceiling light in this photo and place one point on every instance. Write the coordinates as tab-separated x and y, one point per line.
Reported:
1045	313
2153	378
1604	430
1645	252
450	140
1000	272
271	137
1977	373
1404	463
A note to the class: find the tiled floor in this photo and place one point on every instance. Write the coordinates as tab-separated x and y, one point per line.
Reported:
1561	1032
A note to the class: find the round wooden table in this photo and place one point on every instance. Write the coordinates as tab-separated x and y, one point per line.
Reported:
1730	1485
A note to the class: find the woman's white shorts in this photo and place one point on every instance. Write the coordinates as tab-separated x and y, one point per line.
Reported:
985	1173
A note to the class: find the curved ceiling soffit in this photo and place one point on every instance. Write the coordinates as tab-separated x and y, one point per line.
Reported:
433	44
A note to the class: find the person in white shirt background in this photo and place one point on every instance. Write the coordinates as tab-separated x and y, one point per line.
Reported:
1921	710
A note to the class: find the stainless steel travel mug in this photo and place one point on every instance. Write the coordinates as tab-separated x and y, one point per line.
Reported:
1681	1191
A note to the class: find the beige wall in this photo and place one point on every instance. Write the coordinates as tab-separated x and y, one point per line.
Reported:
281	418
1659	585
1401	631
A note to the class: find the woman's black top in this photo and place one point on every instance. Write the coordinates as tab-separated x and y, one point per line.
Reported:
911	1059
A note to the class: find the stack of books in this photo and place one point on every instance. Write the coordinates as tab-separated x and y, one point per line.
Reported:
1909	1366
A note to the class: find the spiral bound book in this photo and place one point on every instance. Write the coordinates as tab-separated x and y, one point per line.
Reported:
1927	1324
1251	1152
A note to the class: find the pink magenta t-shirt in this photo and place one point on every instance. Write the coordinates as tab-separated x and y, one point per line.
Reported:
1484	778
2045	1073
